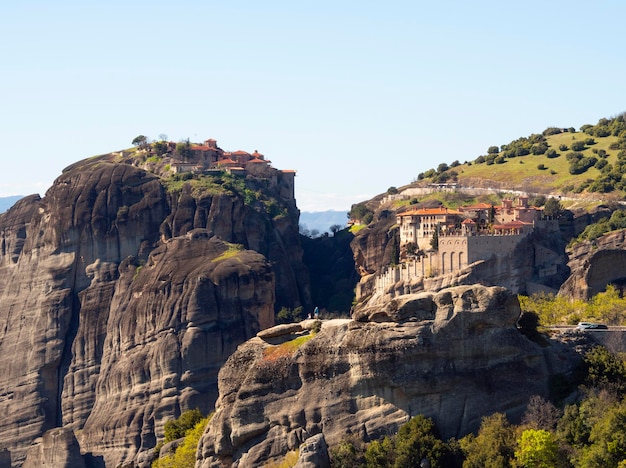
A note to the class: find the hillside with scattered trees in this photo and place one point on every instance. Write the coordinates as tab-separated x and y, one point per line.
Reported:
590	160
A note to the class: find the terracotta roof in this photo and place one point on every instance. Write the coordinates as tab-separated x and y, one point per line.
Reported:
200	148
256	154
241	152
226	161
511	225
256	161
430	212
468	221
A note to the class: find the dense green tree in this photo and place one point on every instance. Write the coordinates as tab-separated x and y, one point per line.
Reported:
346	455
553	208
538	448
175	429
434	241
539	200
141	141
607	446
360	212
160	147
551	131
380	453
601	163
539	148
605	370
185	454
183	149
416	441
493	446
581	165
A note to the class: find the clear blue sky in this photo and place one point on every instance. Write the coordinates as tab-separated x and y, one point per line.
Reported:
356	96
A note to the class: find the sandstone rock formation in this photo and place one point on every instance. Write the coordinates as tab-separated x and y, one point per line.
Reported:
454	355
120	300
594	264
58	448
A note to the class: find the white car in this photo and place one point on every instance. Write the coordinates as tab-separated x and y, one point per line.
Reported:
591	326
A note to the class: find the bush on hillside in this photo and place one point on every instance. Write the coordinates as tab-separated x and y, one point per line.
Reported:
539	148
551	131
581	166
578	145
601	163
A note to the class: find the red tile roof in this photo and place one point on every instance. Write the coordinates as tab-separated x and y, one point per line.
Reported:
511	225
430	212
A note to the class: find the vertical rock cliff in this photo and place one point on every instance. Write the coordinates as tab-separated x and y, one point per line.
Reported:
454	356
120	299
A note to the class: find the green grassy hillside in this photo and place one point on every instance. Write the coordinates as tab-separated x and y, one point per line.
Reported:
555	161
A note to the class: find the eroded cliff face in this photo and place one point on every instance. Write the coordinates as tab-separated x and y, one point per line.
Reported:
594	264
454	355
119	302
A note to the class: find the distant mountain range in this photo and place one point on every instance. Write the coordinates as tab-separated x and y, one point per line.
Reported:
8	202
322	220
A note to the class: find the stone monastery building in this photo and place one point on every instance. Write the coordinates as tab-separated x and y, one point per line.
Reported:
467	235
209	157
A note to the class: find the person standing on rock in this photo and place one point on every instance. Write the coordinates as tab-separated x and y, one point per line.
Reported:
316	312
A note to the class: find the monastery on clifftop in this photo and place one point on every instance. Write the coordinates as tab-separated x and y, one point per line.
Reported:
462	237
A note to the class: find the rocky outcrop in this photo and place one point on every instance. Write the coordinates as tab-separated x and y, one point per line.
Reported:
120	299
454	355
314	453
57	448
594	264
